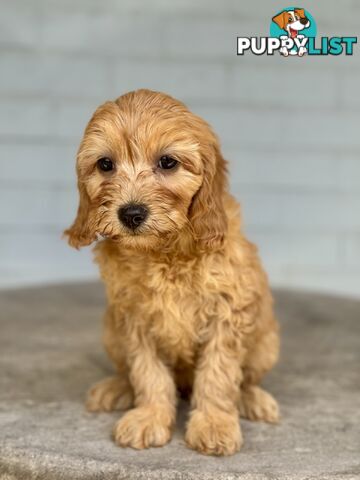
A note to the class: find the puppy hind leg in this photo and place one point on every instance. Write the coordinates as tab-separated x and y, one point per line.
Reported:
258	405
112	393
262	357
255	403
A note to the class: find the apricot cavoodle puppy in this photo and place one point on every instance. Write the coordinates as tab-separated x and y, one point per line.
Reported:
189	307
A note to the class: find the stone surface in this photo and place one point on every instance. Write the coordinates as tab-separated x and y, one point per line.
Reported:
50	353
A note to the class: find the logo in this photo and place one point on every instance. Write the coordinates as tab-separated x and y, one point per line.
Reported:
293	33
293	27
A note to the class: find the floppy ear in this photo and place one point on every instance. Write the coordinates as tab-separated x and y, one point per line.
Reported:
80	233
207	214
281	20
300	12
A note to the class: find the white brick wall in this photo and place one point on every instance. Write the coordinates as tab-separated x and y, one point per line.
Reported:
289	127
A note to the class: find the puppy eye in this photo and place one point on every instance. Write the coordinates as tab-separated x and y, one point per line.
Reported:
105	164
167	163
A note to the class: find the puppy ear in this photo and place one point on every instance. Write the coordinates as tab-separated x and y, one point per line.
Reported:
80	233
300	12
207	213
281	20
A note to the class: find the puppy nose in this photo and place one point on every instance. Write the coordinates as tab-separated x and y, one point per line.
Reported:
304	21
132	215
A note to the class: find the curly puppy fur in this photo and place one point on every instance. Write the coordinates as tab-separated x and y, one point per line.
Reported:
189	307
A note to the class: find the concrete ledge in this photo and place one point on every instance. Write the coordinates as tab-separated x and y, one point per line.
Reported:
50	353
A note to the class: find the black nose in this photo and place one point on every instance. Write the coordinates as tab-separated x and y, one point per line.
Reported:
132	215
304	21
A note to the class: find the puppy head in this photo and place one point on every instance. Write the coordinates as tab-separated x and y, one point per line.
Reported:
292	21
148	169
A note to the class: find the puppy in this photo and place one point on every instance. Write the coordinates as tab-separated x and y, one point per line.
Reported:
189	307
293	22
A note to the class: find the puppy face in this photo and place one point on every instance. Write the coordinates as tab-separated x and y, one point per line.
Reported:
147	170
292	21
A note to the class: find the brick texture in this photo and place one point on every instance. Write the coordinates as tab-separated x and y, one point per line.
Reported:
289	127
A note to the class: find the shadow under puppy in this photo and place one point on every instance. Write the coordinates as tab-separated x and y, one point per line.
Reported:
189	307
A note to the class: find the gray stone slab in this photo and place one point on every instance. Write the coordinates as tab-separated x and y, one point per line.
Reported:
50	353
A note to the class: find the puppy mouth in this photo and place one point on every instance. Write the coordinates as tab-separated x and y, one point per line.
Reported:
134	233
128	233
116	237
293	32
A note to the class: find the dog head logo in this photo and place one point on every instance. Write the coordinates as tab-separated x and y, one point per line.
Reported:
293	26
292	21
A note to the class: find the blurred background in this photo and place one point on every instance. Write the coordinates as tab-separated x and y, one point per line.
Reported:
290	127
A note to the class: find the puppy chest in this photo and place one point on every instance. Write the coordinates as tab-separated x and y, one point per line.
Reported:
173	312
170	302
175	323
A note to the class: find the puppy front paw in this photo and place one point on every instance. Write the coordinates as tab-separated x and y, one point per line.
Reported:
113	393
215	433
302	51
284	51
143	427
